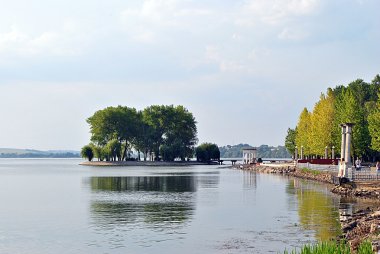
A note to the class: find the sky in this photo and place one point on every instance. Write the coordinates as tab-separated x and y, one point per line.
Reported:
245	69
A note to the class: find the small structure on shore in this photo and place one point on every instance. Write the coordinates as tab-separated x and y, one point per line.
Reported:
249	155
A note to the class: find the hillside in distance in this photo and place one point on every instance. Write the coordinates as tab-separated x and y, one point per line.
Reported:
30	153
263	151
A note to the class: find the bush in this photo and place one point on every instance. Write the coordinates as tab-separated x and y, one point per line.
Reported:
207	152
87	152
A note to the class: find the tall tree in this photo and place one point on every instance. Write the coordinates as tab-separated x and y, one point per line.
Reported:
321	124
303	131
290	140
374	129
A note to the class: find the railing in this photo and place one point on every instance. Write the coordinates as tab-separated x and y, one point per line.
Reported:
318	167
365	174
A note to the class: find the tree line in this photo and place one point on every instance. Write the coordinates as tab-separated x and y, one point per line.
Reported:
358	103
263	151
158	132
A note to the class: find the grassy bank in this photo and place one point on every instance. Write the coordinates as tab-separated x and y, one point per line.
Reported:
332	248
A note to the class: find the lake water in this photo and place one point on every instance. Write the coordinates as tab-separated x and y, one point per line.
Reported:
58	206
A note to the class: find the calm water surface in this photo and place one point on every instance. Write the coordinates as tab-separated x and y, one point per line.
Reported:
57	206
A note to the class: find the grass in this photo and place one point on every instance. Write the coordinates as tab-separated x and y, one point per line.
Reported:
314	172
332	248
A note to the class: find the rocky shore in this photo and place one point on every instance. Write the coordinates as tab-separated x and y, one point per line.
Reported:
291	170
360	226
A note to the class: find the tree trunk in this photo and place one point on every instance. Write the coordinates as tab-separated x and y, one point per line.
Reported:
125	151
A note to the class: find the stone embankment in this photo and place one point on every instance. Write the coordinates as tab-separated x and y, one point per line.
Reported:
291	170
361	225
368	190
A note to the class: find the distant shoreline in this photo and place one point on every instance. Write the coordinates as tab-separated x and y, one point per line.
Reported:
144	163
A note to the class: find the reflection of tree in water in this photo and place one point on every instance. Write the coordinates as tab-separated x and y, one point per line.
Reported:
318	210
159	201
158	214
146	183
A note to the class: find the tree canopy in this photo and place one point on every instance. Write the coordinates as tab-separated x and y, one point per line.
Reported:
160	131
207	152
357	103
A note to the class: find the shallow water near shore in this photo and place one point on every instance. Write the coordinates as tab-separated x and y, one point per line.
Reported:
58	206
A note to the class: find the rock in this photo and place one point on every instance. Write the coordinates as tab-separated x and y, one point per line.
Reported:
374	228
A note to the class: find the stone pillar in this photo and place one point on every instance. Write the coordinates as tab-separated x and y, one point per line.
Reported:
326	152
347	155
296	153
333	152
343	144
301	152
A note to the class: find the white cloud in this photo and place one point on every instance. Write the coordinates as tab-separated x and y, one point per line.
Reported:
148	22
274	12
67	41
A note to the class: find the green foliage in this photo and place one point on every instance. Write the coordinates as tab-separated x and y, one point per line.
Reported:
263	151
310	171
207	152
303	131
87	152
374	129
169	131
354	103
332	248
321	124
290	140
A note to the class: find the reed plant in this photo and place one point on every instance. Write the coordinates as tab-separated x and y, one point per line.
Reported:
332	248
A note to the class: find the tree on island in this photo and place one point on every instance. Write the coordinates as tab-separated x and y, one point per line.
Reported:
162	132
207	152
87	152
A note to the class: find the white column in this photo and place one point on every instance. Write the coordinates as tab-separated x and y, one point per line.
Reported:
343	144
347	156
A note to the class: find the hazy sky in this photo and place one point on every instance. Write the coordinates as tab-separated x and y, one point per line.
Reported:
244	68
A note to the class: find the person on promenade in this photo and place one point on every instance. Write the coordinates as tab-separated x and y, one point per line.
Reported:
358	164
378	167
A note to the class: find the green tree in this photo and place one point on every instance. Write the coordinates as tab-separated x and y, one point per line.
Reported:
321	124
87	152
290	140
207	152
114	123
303	131
374	129
97	150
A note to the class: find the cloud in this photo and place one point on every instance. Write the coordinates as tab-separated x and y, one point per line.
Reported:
148	22
274	12
67	41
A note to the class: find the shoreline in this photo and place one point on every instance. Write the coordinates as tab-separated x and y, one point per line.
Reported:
361	225
144	163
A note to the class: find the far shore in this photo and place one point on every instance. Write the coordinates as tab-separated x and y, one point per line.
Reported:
146	163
